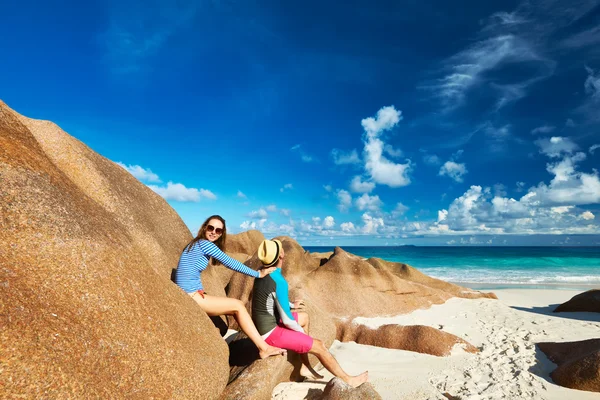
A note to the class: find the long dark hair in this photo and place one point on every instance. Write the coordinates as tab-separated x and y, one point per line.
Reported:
220	242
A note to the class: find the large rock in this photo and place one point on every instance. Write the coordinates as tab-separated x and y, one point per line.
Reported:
88	310
578	363
337	389
347	286
406	272
245	242
586	301
417	338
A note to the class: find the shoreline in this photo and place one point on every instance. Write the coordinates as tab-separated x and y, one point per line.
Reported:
485	286
508	366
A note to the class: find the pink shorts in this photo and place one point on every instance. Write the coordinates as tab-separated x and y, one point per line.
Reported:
288	339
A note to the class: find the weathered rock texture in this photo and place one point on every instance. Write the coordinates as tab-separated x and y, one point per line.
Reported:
86	305
337	389
578	363
417	338
586	301
347	286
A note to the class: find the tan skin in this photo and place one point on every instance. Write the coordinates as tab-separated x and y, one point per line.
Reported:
215	306
319	350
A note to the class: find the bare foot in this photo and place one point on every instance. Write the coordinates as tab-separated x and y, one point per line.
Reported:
309	372
356	381
271	351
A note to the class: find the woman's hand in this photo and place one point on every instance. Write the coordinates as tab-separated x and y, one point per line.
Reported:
266	271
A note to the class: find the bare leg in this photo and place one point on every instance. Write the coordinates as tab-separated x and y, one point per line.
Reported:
214	306
333	366
306	370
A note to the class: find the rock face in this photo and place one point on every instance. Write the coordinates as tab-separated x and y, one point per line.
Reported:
586	301
348	286
88	309
578	363
337	389
418	338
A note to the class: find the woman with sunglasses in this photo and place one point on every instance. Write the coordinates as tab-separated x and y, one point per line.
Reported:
209	244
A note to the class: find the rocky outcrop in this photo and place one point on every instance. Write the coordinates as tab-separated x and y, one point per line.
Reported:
417	338
347	286
587	301
337	389
578	363
88	310
245	242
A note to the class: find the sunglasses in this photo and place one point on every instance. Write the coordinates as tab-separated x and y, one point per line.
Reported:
211	228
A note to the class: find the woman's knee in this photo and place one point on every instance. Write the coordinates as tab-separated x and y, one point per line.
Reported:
318	346
238	306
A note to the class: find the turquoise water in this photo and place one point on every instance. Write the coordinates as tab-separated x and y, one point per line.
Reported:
495	267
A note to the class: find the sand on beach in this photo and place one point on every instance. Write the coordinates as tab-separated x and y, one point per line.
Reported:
509	366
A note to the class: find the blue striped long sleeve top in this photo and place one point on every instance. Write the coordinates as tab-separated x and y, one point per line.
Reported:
192	263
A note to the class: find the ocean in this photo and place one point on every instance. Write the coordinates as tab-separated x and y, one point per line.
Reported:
484	268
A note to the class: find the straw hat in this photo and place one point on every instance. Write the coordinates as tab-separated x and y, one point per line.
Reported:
268	252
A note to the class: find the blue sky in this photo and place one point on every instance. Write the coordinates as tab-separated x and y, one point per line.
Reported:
363	123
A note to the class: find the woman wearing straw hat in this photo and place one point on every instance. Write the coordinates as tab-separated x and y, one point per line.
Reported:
209	244
270	300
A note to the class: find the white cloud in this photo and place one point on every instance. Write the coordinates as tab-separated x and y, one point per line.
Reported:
592	83
271	208
399	210
568	185
358	186
391	151
431	159
387	118
241	195
303	155
287	186
556	146
453	170
144	175
178	192
328	222
382	170
342	158
328	188
366	202
345	200
371	225
285	212
246	225
570	123
468	69
258	214
587	216
543	129
501	133
348	227
594	148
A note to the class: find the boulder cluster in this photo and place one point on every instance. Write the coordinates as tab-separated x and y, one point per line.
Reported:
88	308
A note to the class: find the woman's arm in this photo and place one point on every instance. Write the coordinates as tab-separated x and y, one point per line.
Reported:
212	250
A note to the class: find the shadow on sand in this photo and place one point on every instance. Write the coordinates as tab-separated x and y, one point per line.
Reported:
549	311
543	367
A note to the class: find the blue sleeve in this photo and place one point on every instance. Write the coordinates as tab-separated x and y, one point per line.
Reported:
283	302
212	250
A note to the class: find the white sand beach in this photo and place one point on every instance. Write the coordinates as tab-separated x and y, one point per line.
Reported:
508	366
